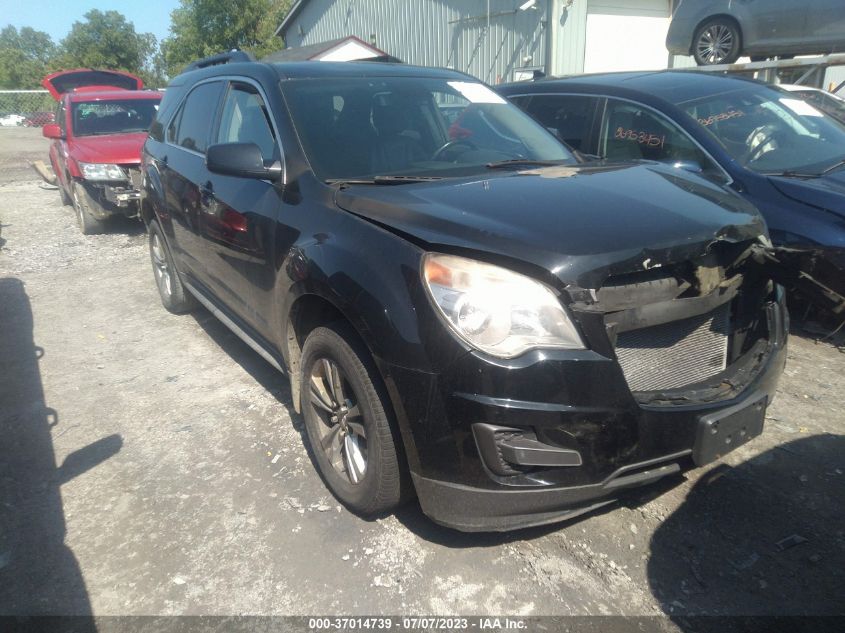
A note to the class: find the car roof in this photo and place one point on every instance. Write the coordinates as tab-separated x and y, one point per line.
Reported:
321	70
111	95
671	86
316	70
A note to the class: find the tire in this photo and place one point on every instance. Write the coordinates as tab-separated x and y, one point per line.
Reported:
88	224
174	297
66	200
717	41
63	194
355	444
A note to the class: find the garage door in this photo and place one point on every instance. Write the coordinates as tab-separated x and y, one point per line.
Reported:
626	35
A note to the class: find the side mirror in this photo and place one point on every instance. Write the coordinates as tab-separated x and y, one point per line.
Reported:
240	159
688	165
52	130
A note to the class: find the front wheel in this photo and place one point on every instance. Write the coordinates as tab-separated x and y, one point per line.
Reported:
66	200
347	422
717	41
88	224
173	295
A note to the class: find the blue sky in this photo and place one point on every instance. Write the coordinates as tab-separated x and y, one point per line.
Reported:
57	16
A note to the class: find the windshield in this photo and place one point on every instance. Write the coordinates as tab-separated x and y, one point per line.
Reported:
770	130
120	116
826	102
360	128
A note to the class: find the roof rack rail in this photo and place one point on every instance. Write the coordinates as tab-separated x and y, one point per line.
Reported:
234	55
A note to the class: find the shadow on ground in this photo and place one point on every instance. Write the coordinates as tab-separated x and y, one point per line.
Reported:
119	224
264	374
762	538
38	572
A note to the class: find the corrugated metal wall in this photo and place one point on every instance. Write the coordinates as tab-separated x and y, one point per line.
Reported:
569	28
452	33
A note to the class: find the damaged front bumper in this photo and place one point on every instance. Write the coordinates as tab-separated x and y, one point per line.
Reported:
549	435
565	435
106	199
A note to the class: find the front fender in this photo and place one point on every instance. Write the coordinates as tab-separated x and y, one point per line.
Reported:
372	276
152	193
372	292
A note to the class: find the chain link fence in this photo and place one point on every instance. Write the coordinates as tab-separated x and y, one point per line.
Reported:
26	107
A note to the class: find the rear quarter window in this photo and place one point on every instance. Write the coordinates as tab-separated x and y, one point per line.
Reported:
191	127
168	103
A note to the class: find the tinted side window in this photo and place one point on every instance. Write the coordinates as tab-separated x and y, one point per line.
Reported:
192	125
174	126
246	120
569	117
632	132
169	101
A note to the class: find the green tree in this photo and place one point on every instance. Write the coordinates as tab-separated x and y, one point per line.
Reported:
24	57
199	28
106	40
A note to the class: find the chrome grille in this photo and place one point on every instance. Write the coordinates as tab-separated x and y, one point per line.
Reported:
675	354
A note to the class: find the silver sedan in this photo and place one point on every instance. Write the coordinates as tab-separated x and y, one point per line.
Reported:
720	31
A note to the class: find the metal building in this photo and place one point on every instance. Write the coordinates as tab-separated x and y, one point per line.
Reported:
495	40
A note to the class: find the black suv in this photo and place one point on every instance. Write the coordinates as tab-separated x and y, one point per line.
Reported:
465	309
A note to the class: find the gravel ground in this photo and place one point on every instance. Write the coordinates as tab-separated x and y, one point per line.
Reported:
153	464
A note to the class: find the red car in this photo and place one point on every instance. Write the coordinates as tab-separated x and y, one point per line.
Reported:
102	119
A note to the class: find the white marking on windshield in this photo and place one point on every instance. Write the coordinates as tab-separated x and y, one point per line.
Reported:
476	93
800	107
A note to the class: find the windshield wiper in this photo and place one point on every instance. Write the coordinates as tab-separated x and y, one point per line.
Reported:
516	162
836	165
382	180
789	173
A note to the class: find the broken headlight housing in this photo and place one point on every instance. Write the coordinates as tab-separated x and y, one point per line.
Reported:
101	171
495	310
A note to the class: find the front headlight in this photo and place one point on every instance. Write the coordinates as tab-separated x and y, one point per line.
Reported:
101	171
495	310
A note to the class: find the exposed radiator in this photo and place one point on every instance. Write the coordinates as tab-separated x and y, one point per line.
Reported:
675	354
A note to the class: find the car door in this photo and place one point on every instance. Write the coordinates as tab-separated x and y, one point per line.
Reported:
773	25
826	25
572	118
183	171
633	131
238	215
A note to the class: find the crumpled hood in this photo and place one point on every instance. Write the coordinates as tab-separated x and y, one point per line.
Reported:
119	149
826	192
579	223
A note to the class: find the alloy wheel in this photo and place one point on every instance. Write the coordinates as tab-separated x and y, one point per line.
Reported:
343	437
715	43
161	267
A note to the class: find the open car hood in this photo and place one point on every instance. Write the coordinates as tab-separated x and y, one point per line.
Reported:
64	81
